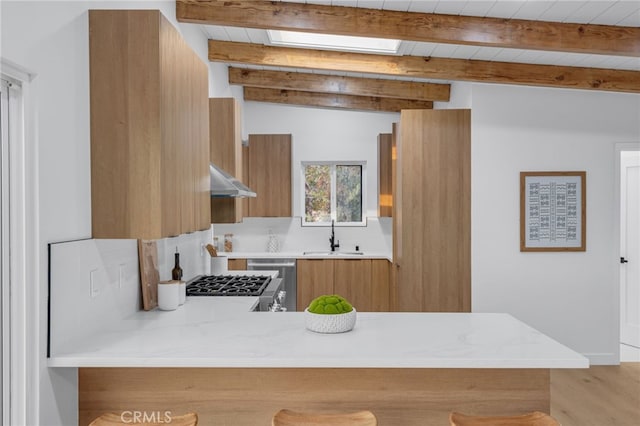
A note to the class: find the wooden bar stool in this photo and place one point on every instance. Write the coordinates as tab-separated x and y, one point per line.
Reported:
535	418
293	418
111	419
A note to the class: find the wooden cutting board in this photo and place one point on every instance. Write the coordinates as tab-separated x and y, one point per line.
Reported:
149	275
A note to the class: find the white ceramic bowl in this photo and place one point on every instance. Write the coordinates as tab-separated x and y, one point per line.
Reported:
330	323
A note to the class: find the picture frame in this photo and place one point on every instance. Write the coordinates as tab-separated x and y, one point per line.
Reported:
553	214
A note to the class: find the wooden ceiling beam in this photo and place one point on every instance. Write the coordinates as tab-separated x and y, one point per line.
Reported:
425	27
322	83
333	100
424	67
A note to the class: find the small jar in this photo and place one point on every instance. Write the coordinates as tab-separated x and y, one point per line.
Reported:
168	295
228	242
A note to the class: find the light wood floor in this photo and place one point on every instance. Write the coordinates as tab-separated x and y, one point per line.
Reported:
597	396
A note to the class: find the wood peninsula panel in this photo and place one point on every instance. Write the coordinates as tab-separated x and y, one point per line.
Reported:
353	281
314	278
385	190
251	396
437	68
434	163
270	175
324	83
425	27
333	100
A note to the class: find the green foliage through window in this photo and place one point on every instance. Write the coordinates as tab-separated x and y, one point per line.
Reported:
317	190
333	191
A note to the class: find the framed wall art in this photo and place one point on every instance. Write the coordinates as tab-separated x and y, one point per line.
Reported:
553	211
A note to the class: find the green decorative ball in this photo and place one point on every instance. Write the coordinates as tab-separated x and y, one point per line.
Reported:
329	304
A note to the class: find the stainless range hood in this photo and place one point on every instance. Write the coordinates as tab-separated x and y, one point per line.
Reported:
225	185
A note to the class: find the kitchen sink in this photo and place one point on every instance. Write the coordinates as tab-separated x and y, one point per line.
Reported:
333	253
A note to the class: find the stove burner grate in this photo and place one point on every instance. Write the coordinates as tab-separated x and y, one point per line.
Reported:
228	285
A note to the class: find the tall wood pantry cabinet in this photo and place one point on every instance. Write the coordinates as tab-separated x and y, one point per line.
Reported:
432	212
149	128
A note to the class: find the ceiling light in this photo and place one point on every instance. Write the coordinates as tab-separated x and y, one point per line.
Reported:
334	42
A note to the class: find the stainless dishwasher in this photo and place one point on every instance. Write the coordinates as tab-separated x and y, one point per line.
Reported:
286	270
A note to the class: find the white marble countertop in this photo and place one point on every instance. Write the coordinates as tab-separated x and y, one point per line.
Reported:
301	255
221	332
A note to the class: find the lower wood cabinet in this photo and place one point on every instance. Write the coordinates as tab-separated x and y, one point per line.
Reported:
314	278
237	264
363	282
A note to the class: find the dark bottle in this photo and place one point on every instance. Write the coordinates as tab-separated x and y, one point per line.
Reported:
176	272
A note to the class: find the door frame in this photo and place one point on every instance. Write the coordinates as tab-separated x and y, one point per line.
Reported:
24	248
618	148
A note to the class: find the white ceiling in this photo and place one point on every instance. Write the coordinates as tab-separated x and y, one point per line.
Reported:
619	13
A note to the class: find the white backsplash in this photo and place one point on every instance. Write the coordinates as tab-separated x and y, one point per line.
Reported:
95	283
194	259
252	235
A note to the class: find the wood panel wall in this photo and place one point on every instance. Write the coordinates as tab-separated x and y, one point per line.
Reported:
251	396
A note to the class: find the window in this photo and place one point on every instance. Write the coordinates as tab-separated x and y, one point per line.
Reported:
334	42
333	191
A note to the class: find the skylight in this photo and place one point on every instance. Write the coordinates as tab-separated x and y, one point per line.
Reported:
334	42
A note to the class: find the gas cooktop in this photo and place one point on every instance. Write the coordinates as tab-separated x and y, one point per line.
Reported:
228	285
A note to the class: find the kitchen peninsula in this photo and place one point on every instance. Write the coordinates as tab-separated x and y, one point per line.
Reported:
232	366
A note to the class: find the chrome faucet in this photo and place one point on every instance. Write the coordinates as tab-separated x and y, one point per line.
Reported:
332	240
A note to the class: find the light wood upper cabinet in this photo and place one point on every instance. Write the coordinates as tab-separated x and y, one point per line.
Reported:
432	216
269	175
225	139
385	193
149	127
363	282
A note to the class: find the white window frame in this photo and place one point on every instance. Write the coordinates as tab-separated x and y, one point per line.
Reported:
303	194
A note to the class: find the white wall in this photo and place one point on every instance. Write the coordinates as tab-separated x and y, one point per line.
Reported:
572	297
50	40
318	135
324	135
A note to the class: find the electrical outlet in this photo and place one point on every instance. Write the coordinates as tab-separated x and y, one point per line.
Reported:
121	275
93	283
